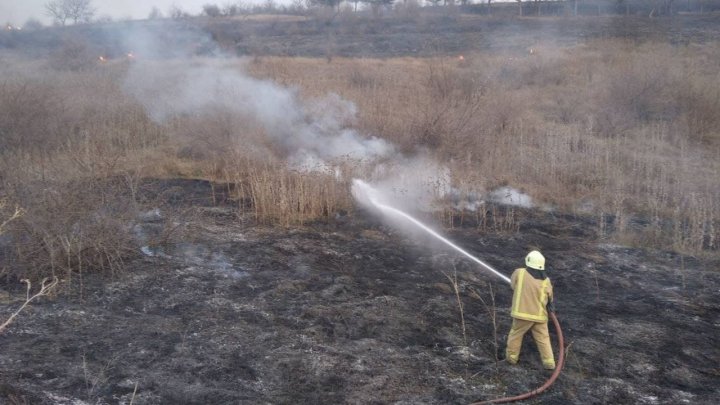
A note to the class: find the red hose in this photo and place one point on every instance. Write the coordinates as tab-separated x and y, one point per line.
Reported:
549	382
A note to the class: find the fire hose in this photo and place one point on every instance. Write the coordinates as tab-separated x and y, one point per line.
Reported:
549	382
372	196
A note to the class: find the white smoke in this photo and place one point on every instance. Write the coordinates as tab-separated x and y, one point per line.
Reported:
412	183
421	184
311	133
510	196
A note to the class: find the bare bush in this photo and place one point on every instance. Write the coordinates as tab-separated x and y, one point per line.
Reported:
211	10
448	111
74	55
67	151
71	229
700	101
30	116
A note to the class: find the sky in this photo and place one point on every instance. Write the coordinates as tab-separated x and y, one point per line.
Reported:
18	11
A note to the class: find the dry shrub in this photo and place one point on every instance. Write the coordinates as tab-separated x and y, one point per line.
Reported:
413	103
361	80
281	195
70	229
69	145
635	93
44	114
446	112
544	67
74	54
696	222
206	137
699	99
30	115
234	149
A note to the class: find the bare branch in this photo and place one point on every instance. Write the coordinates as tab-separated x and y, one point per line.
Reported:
75	10
454	283
46	287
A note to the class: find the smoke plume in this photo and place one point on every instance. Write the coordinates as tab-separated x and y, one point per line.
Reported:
171	81
311	133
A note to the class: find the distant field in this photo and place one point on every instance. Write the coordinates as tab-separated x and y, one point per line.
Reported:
269	17
350	35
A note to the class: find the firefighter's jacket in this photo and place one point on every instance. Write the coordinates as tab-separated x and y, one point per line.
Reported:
530	296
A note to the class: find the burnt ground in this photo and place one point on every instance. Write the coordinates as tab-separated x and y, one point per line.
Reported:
429	34
449	36
353	312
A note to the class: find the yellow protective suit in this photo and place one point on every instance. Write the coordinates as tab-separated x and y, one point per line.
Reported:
530	297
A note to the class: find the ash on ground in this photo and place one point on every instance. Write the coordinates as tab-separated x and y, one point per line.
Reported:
353	312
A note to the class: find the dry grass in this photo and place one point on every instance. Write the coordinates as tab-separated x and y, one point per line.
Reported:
626	133
291	197
70	143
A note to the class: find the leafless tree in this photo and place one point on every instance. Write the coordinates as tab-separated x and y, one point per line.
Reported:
211	10
80	10
55	10
76	10
177	13
155	14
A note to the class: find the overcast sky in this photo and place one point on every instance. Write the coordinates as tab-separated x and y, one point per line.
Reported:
18	11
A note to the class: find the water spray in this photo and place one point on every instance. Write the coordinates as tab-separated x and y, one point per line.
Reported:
371	197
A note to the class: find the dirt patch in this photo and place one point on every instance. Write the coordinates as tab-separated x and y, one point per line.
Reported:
353	312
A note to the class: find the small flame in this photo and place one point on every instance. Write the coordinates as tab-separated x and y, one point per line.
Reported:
461	58
101	59
130	55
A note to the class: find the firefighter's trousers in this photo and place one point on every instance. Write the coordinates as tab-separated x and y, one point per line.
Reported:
541	336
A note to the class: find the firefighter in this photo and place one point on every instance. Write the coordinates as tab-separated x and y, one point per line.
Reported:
532	293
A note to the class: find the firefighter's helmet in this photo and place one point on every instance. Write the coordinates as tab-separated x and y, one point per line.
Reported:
535	260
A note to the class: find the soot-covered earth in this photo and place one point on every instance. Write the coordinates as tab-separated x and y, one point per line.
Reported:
351	311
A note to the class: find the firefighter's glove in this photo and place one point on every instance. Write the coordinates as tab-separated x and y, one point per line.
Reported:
551	306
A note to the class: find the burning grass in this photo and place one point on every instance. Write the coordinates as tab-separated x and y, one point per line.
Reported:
625	133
